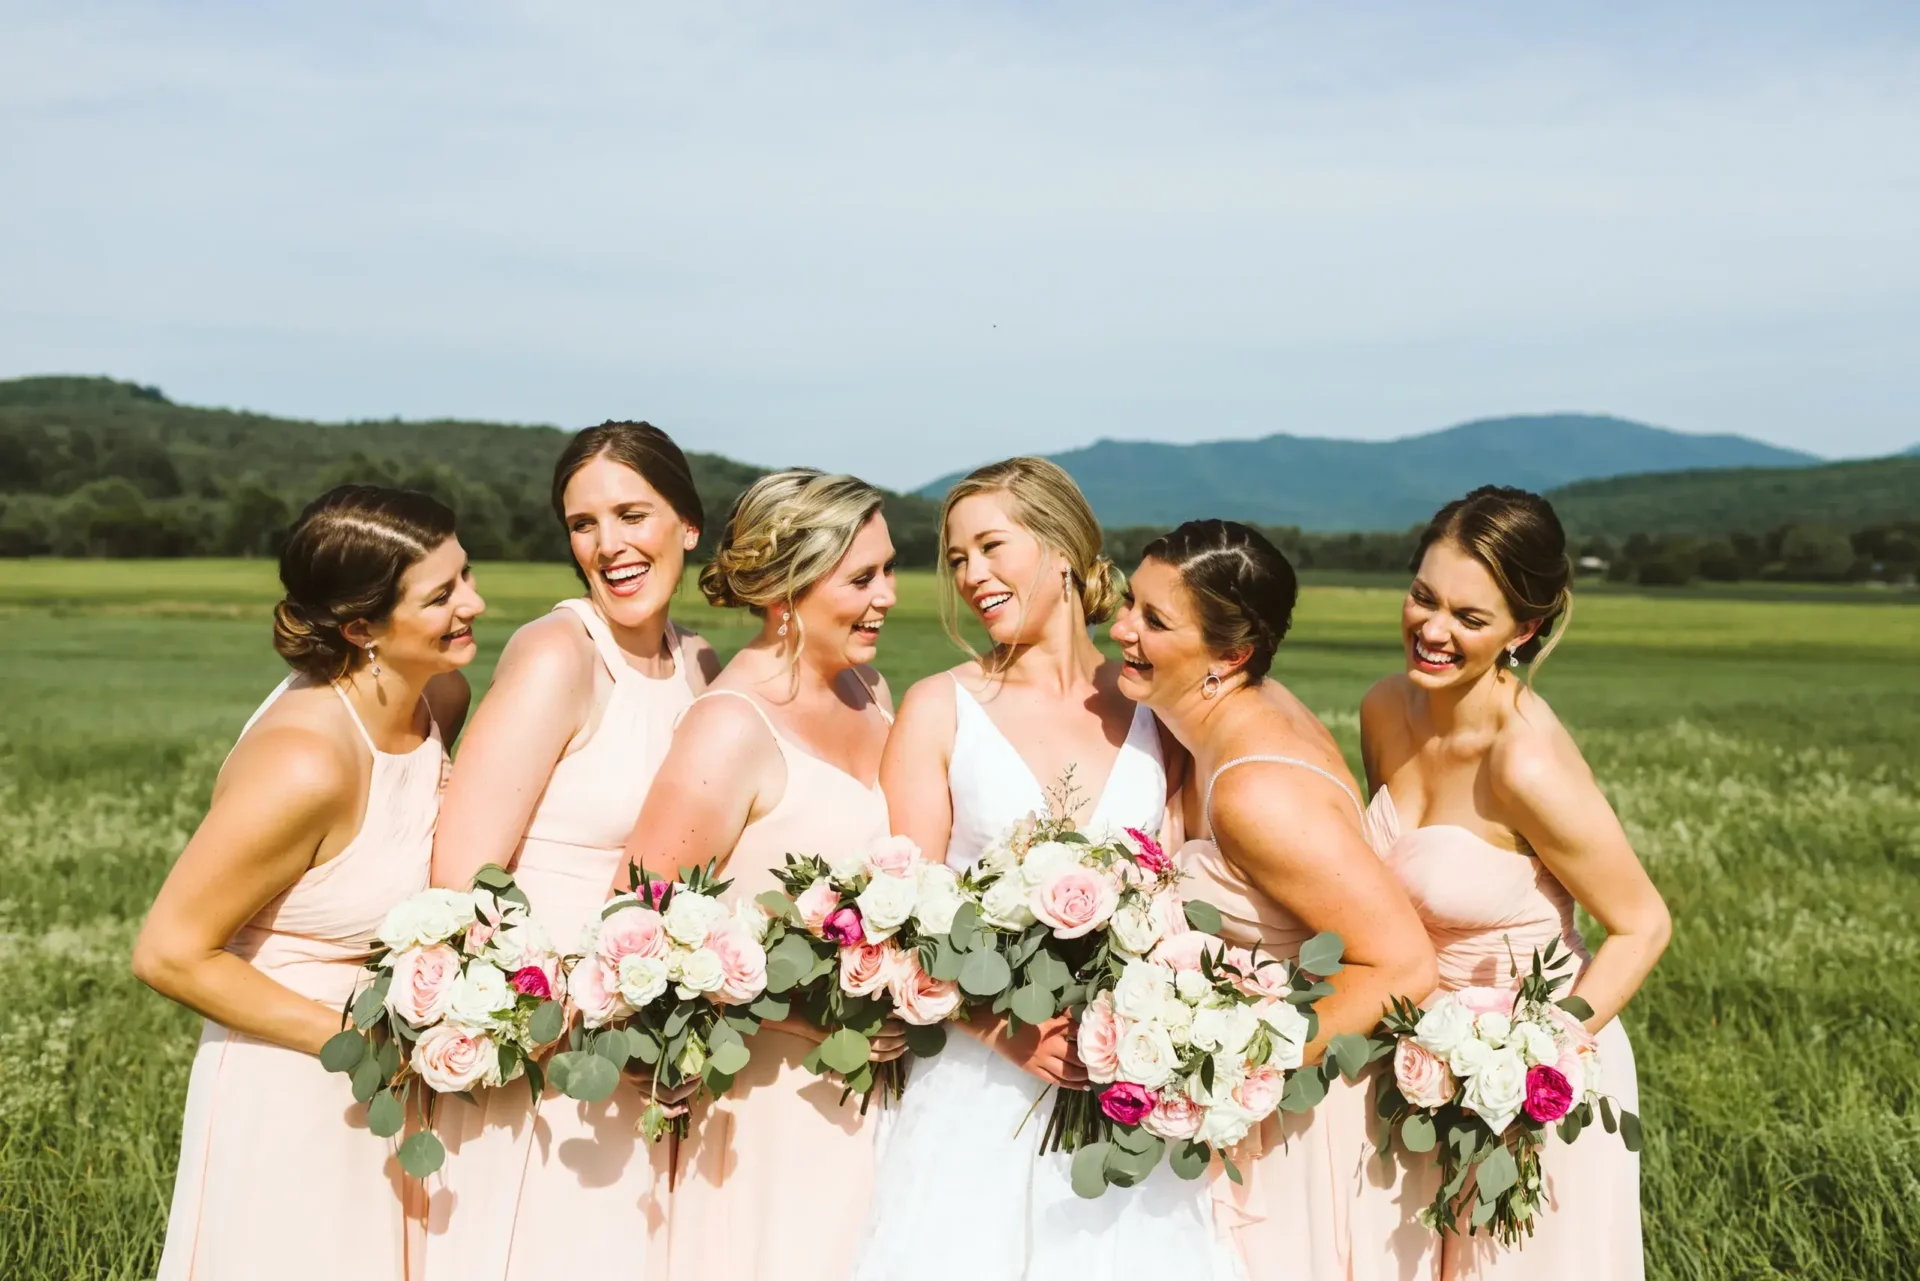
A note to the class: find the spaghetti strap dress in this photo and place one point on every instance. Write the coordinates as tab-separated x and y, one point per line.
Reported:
560	1189
278	1172
776	1176
1318	1202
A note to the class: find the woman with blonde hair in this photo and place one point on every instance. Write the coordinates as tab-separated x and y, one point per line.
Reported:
1037	723
780	756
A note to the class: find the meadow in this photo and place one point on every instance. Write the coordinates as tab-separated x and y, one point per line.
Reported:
1760	751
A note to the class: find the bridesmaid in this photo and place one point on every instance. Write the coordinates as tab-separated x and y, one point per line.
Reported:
1282	853
780	756
322	818
549	783
1484	808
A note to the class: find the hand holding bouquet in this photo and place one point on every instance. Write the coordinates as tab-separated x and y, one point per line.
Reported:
462	992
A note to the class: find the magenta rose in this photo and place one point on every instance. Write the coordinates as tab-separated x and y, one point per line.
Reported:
1099	1038
632	931
866	967
843	926
1126	1103
653	892
531	980
1424	1080
1549	1095
815	904
1148	853
1175	1117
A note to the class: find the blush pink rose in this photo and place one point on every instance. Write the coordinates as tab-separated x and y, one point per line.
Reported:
595	992
1259	1094
633	931
1148	853
422	984
1549	1095
866	967
1175	1117
843	926
918	997
1077	901
815	904
1126	1103
1486	1000
892	856
1424	1080
450	1059
743	963
1099	1039
1170	912
1183	951
1269	977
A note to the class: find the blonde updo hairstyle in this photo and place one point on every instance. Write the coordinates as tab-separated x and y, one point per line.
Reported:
344	561
786	533
1043	500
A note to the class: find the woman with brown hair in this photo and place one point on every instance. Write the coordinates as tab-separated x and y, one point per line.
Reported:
1486	811
322	818
549	783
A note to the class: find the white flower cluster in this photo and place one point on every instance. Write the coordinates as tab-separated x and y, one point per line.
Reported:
696	946
1489	1047
1075	887
885	886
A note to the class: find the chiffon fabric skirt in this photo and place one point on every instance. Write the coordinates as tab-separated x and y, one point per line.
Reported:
963	1194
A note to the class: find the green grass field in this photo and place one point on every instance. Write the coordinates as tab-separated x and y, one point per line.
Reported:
1760	751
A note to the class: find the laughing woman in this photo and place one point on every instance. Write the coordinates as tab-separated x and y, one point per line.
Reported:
781	756
549	783
1484	808
322	818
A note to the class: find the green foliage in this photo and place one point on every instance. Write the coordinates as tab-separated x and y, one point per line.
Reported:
1708	504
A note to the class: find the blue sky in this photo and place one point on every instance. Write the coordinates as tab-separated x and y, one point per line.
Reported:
899	239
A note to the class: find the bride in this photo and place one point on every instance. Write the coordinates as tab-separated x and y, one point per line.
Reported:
974	750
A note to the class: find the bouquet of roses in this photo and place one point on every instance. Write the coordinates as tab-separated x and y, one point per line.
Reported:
668	977
1478	1076
462	992
852	943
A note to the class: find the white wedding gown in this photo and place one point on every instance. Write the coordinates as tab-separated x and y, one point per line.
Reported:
961	1190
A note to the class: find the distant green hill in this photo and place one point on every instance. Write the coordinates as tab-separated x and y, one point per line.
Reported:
1321	484
1845	496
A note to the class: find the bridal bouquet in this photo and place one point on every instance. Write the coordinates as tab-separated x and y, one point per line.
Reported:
1478	1076
463	990
852	940
669	978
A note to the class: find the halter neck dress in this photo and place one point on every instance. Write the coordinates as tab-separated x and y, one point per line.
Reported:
775	1177
1479	903
278	1172
531	1193
1317	1202
965	1146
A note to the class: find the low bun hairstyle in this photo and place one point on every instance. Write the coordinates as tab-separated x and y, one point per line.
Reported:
1043	500
344	560
1243	587
1517	536
786	533
640	447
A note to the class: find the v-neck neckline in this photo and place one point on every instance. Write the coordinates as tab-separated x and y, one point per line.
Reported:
1106	785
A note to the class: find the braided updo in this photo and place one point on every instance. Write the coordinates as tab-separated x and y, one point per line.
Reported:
344	560
1516	534
785	534
1243	587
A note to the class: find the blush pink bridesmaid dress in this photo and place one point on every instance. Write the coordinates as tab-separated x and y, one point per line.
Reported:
278	1173
1481	902
1318	1202
566	1188
775	1178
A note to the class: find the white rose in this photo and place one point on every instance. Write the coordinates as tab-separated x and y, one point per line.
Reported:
939	898
1228	1071
1498	1090
1176	1016
1146	1055
1537	1044
847	865
1241	1024
641	979
519	945
1143	987
1226	1122
1209	1028
1470	1056
885	905
1134	930
999	856
1493	1027
1192	986
480	996
1444	1026
1004	905
696	972
1047	860
753	919
431	916
1590	1070
1288	1028
690	916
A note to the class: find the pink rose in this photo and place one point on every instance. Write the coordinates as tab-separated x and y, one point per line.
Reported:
531	980
1549	1096
450	1059
1126	1103
816	903
652	891
743	963
1170	912
1175	1116
1099	1038
1148	853
866	967
594	989
843	926
1259	1094
1077	901
1183	951
892	856
1424	1081
1270	977
918	997
422	985
1486	1000
632	931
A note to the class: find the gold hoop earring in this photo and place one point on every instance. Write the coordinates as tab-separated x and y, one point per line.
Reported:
1210	687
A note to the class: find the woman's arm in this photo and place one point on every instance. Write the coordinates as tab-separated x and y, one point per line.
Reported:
913	770
284	792
1296	838
542	693
1542	783
723	771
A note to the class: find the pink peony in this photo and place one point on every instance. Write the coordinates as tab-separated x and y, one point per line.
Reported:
1077	901
1549	1096
531	980
843	926
450	1059
893	856
595	991
1175	1116
1259	1094
422	985
816	903
866	967
918	997
1099	1038
632	931
1126	1103
743	963
1424	1080
1149	854
1183	951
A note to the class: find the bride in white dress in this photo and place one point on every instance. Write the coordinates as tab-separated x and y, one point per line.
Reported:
962	1190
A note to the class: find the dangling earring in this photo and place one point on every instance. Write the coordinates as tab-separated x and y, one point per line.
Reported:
784	616
373	664
1210	687
1513	658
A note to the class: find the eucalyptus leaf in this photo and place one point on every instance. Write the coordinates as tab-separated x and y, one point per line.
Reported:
1305	1088
387	1055
788	962
770	1008
1089	1171
984	974
366	1079
557	1069
370	1004
611	1045
1483	1213
343	1051
845	1051
421	1153
1630	1132
947	960
778	905
592	1079
1348	1053
729	1058
1033	1004
547	1022
1203	916
385	1116
1416	1132
1189	1159
1320	955
1497	1173
1576	1006
679	1018
1607	1119
925	1042
493	877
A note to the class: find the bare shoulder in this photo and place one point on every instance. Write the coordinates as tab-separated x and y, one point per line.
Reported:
722	723
1385	702
1268	793
552	648
303	758
928	706
1534	759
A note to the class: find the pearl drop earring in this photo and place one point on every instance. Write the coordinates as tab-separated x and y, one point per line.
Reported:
373	663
